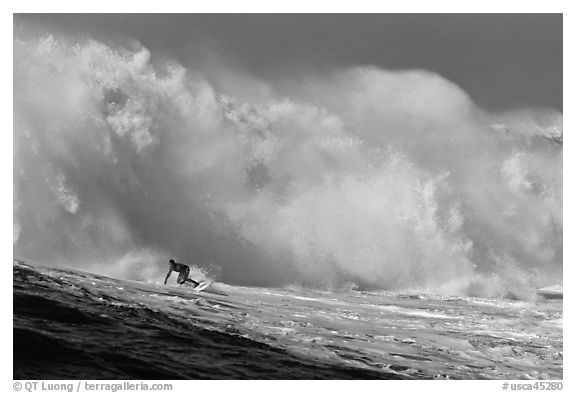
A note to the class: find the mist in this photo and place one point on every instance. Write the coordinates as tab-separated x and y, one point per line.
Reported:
351	177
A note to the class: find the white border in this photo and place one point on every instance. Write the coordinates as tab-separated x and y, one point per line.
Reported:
294	6
301	6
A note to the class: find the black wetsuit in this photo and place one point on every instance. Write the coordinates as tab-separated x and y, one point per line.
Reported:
184	272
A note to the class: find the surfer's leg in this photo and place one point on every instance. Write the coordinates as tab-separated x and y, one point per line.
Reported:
196	283
183	276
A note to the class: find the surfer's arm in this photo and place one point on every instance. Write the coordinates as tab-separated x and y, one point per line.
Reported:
167	275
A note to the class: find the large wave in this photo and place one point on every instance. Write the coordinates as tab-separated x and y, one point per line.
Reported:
384	179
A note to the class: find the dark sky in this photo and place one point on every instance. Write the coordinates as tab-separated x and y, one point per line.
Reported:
503	61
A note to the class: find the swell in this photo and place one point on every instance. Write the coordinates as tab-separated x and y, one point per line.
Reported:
61	336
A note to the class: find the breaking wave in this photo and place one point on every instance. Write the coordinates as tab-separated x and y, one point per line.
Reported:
384	179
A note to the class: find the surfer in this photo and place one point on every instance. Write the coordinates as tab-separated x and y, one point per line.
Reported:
184	272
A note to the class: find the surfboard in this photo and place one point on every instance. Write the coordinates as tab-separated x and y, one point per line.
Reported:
202	286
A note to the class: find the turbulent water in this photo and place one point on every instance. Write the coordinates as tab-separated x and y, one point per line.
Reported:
349	178
319	201
70	324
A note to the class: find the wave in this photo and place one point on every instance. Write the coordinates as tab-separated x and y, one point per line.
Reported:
384	179
61	332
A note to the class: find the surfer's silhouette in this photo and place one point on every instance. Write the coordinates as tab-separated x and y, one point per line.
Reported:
184	272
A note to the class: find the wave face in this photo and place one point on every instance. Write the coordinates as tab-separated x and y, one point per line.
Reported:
60	332
70	324
362	176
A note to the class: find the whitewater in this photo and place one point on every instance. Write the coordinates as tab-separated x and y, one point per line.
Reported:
70	324
375	222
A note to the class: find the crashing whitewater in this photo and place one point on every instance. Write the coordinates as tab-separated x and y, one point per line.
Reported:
355	178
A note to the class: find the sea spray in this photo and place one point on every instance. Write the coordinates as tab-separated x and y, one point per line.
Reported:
386	179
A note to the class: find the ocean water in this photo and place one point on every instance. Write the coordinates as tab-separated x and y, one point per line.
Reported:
71	324
359	177
359	222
